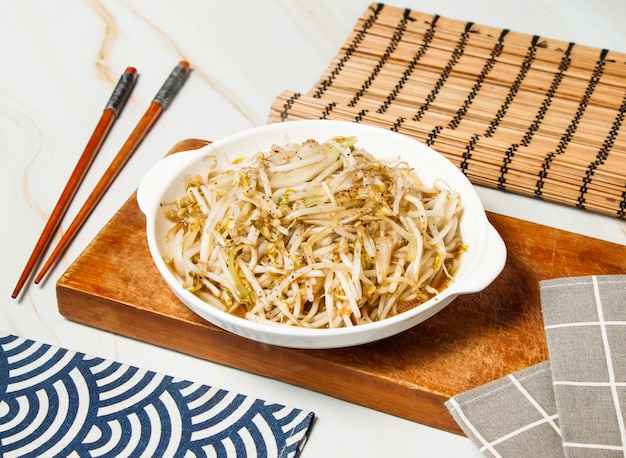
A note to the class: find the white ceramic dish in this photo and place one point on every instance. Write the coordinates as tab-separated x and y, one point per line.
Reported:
479	266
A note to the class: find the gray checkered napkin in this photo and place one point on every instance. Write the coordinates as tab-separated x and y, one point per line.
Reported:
573	405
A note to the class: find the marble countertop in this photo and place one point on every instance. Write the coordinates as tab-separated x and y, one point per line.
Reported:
60	62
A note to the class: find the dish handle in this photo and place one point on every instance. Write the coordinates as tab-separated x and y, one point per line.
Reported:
490	264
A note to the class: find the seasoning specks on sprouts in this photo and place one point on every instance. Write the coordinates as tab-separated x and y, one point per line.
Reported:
314	235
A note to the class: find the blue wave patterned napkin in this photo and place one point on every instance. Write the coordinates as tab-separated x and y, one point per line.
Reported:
55	402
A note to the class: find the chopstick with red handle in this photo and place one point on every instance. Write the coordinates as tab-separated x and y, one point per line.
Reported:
160	102
111	111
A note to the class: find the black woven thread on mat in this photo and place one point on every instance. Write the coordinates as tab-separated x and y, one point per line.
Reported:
458	51
539	117
288	104
487	67
515	87
573	126
358	38
359	117
397	124
432	136
547	101
504	169
396	38
467	154
428	38
603	154
328	109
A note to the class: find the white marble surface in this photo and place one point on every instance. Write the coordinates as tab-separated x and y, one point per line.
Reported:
60	61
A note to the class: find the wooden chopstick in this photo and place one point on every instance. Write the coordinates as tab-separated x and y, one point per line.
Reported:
110	113
160	102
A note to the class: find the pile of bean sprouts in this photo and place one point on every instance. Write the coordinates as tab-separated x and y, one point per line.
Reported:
314	235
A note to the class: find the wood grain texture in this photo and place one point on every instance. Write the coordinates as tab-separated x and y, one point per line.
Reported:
114	285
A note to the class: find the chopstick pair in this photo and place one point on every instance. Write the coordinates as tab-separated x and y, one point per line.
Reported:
118	98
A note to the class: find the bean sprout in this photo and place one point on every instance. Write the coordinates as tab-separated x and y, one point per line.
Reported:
314	235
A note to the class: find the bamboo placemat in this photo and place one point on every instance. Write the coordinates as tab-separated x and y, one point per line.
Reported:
516	112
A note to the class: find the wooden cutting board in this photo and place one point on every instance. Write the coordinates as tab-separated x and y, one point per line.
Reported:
114	285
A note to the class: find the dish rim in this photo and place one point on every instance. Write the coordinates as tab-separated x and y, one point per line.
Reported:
177	164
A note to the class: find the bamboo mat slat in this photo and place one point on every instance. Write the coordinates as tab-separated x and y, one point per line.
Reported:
521	113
